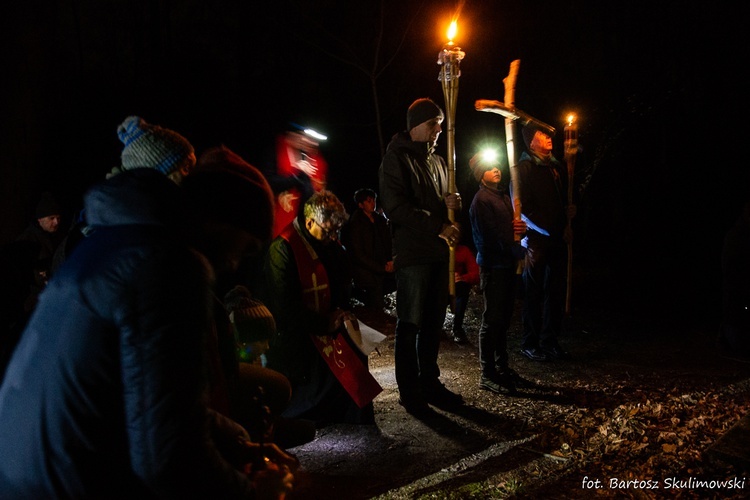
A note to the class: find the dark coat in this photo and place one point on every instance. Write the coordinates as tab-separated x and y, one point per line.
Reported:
543	196
48	243
44	246
103	397
368	246
413	181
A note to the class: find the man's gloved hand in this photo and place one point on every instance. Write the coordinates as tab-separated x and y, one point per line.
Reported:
451	233
452	201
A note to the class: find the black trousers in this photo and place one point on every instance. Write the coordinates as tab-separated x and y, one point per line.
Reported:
544	292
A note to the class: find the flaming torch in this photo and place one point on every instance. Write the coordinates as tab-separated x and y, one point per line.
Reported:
571	149
449	59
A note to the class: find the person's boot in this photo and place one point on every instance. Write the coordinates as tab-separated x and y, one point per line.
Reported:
417	407
517	379
459	337
440	396
493	384
505	379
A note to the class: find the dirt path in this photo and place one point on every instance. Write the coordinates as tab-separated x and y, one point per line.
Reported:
609	412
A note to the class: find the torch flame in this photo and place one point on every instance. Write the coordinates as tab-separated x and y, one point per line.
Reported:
452	31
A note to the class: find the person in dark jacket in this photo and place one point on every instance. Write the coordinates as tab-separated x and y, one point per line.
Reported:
104	396
45	228
493	229
542	186
145	145
367	239
25	269
415	196
45	233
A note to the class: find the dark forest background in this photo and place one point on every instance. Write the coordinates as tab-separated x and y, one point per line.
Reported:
661	177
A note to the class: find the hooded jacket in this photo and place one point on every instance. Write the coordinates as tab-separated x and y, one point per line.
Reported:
103	396
412	182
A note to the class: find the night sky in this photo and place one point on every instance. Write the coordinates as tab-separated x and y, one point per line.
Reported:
656	85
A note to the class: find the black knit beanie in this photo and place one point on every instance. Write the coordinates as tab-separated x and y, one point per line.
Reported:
47	206
420	111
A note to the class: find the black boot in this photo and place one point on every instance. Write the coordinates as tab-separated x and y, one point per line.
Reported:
459	337
518	380
505	379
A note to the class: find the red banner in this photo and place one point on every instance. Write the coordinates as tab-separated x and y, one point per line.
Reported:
348	368
341	358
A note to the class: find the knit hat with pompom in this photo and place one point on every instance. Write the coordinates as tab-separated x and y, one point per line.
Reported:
151	146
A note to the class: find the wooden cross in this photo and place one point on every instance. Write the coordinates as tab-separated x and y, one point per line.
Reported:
315	289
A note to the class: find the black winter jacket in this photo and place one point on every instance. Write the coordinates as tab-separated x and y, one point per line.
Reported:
413	181
543	201
368	246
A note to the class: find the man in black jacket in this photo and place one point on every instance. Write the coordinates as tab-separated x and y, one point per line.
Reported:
45	233
542	183
414	191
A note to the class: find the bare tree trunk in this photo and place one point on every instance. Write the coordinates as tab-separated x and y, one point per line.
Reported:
378	124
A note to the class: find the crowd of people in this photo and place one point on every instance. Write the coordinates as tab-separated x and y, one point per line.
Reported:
195	321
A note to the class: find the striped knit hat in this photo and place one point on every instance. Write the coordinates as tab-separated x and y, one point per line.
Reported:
252	319
151	146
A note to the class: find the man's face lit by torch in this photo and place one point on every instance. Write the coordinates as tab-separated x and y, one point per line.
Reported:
541	144
427	131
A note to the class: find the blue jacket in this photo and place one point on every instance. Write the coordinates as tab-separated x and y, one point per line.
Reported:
491	215
103	395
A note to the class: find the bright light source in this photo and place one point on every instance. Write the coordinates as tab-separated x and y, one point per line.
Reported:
489	156
315	135
571	118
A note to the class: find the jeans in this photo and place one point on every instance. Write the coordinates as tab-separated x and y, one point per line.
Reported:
421	301
498	290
